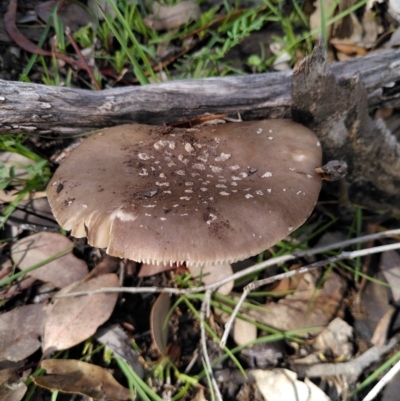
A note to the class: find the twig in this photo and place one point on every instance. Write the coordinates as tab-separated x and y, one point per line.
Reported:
256	284
354	368
250	270
205	307
382	383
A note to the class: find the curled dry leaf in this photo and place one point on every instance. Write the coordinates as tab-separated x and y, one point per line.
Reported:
390	268
165	17
19	332
77	377
158	322
307	307
336	340
282	384
34	214
70	13
115	338
14	391
212	273
101	8
12	387
244	332
70	321
37	247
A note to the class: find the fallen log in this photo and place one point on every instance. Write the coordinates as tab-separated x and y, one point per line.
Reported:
58	110
337	111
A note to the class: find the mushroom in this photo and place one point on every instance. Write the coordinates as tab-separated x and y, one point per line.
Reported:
214	194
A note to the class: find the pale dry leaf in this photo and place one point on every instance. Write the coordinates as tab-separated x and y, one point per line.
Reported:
37	247
336	339
159	323
390	268
394	9
381	332
244	332
394	40
34	213
282	384
19	332
101	7
71	14
14	391
9	371
307	307
70	321
370	28
213	273
115	338
77	377
315	17
19	162
165	17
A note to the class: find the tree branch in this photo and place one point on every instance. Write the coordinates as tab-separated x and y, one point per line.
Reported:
46	109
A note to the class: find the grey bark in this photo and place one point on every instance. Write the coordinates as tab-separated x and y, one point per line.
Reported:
44	109
337	111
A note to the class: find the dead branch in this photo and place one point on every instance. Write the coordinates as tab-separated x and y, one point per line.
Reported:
47	109
337	111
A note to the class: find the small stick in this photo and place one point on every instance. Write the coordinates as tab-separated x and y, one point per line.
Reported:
304	269
250	270
382	383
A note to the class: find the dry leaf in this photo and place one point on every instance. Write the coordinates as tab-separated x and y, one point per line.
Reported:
70	13
13	391
165	17
382	329
212	273
158	320
19	162
307	307
98	7
390	268
34	213
244	332
77	377
336	340
19	332
70	321
282	384
37	247
118	341
394	40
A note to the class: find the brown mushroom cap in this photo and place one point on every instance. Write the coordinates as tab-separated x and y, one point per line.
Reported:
214	194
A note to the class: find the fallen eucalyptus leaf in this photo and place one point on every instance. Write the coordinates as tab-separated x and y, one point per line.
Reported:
244	332
213	273
19	332
14	391
37	247
158	322
77	377
165	17
282	384
308	306
70	321
115	338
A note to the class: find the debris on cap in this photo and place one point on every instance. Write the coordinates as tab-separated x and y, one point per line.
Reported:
214	194
334	170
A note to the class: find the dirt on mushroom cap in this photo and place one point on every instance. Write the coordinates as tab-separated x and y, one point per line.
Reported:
203	195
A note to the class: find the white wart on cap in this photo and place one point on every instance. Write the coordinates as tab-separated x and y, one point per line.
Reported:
215	194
